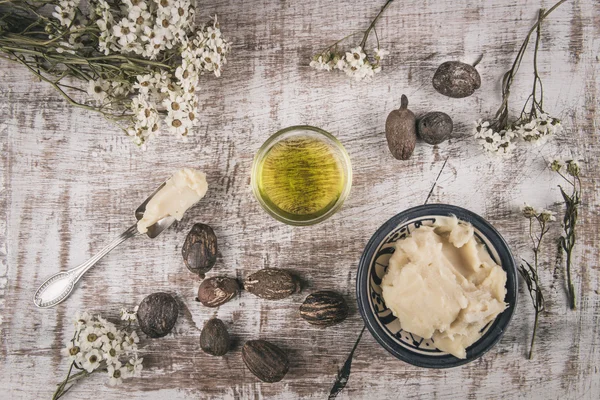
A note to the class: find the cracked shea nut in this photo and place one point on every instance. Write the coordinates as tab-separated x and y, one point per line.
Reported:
199	250
401	131
324	308
456	79
435	127
214	338
217	290
157	314
272	284
265	360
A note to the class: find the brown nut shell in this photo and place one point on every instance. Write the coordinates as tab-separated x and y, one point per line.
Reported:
272	284
217	290
265	360
157	314
401	131
324	308
214	338
435	127
199	250
456	79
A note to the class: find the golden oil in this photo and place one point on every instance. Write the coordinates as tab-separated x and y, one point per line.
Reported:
301	177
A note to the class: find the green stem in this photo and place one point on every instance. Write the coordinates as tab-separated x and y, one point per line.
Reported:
535	325
368	31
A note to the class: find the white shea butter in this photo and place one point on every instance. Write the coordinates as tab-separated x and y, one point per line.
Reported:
184	189
443	285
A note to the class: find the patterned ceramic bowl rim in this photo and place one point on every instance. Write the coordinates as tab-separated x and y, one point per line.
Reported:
403	345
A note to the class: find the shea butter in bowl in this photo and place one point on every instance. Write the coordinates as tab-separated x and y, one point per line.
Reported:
436	286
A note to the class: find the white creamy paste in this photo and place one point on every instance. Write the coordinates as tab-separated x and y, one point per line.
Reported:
184	189
443	285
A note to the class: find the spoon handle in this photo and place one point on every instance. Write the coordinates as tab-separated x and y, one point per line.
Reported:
60	285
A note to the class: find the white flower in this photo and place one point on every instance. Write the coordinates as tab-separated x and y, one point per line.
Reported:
135	367
111	351
65	12
72	351
125	31
144	83
98	90
89	338
356	57
111	333
127	315
321	64
81	319
380	54
528	211
130	341
115	373
92	360
178	123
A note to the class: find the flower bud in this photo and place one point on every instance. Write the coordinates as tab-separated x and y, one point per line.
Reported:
573	168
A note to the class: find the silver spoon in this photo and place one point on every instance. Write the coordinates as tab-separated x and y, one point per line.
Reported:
60	285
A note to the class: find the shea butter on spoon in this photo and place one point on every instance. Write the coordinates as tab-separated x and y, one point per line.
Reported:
158	212
184	189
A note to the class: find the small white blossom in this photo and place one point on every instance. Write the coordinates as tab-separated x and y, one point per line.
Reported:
320	64
380	54
115	373
127	315
135	367
98	89
65	11
125	31
73	352
92	360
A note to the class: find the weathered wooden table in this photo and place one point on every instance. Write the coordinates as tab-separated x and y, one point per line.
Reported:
70	181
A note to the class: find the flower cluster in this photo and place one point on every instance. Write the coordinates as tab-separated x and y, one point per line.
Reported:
99	346
534	125
542	215
142	27
494	142
538	128
535	130
141	60
149	29
355	63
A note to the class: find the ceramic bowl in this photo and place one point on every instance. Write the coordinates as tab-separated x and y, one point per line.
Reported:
385	327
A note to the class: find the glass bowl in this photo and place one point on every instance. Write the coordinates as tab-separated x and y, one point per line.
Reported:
335	148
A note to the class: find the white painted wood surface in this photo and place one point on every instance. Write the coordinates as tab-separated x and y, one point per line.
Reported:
69	182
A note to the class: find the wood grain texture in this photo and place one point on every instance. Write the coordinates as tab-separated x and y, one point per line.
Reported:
69	182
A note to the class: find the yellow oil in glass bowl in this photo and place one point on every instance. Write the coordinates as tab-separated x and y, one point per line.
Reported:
301	175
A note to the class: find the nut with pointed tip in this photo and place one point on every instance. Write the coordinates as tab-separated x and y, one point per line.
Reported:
401	131
214	338
199	250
